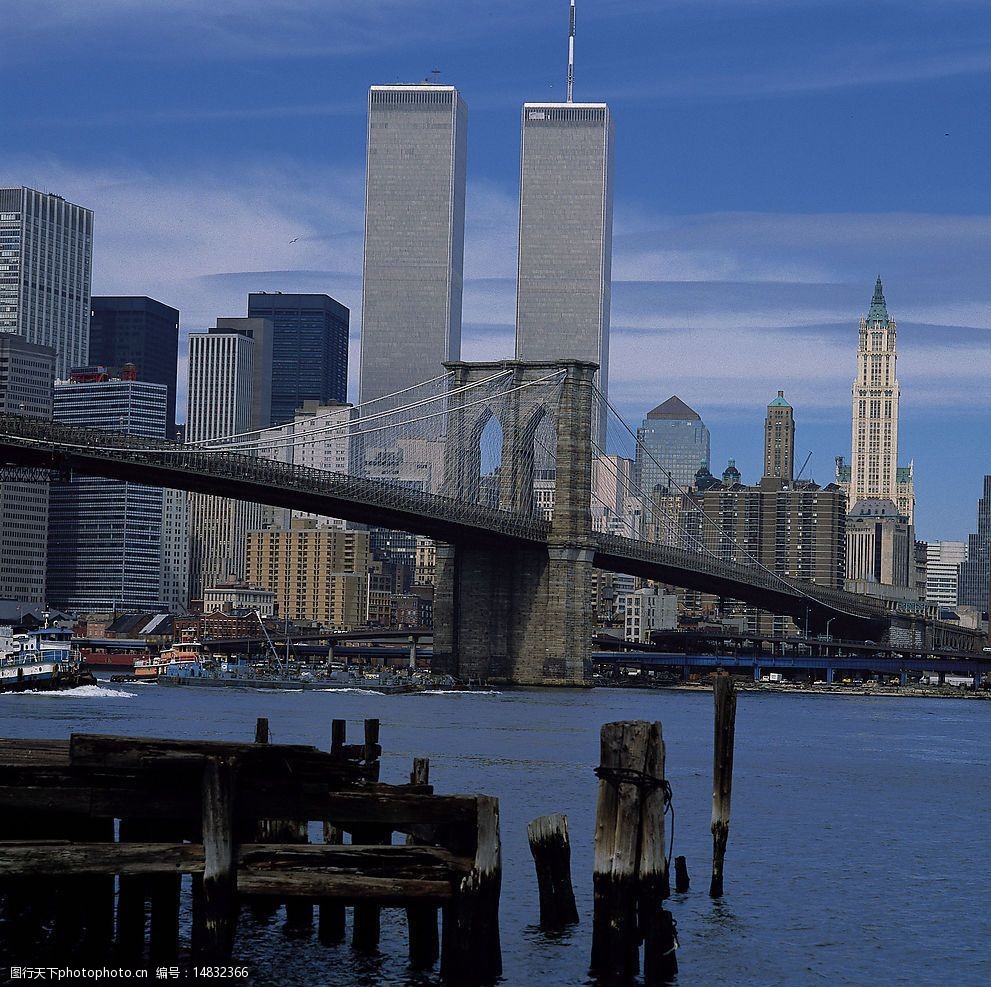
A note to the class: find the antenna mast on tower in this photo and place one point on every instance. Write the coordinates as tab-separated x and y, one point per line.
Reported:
571	54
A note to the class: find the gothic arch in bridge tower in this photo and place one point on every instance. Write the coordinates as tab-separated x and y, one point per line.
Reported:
520	612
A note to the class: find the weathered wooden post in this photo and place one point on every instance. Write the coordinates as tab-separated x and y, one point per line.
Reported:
615	938
366	929
470	948
551	849
164	891
131	899
681	880
630	878
331	914
261	730
656	925
219	859
421	920
722	775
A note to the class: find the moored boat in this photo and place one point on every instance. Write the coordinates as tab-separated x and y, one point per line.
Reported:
187	651
244	675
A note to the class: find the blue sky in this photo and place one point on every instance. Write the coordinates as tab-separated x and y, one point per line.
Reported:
771	159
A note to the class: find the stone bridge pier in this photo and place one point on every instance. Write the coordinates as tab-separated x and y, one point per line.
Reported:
521	613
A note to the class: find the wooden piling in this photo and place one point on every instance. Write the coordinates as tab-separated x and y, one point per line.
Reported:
656	928
164	891
366	929
131	900
630	871
551	849
470	948
681	880
332	917
261	730
615	938
331	914
722	775
220	860
98	893
421	920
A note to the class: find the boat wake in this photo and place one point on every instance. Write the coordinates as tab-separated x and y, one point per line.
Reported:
460	692
80	692
360	692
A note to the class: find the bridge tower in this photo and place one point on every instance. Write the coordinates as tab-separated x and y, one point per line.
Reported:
520	613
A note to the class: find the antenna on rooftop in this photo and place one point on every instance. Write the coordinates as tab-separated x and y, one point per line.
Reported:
571	54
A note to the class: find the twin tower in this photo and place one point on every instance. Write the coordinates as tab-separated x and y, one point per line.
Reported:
414	235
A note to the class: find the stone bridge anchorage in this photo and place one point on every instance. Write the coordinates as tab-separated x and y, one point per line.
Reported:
514	596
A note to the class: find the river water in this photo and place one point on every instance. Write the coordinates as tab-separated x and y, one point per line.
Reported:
858	852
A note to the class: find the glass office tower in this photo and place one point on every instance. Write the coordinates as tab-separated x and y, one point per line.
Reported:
309	349
414	235
565	252
46	256
141	331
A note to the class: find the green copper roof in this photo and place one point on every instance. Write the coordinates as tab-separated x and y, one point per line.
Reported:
779	401
878	311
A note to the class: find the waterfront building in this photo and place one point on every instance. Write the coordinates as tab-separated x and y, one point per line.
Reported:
975	573
795	529
105	536
46	259
943	560
414	236
307	567
175	550
224	399
26	374
309	349
874	472
140	331
779	439
612	483
565	247
649	609
880	548
239	595
261	332
425	571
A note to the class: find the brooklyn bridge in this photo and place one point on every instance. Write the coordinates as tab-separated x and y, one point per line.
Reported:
513	599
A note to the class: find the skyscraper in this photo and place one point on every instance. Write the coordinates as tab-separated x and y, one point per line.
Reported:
309	349
414	235
46	252
672	440
25	389
105	536
874	472
143	332
223	400
975	573
565	252
943	561
779	440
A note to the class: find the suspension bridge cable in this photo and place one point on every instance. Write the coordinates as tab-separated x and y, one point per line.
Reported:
794	585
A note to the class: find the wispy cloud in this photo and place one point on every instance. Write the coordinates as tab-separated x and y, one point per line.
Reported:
771	299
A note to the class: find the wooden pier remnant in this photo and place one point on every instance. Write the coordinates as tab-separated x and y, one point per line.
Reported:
682	882
551	849
195	807
724	698
421	920
630	877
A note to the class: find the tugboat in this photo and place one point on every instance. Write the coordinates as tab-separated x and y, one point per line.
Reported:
39	660
185	652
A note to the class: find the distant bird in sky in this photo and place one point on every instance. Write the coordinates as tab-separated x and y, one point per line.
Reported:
294	239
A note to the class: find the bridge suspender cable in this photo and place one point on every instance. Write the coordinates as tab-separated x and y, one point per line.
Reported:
792	584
